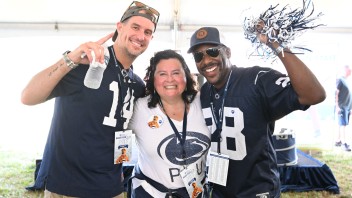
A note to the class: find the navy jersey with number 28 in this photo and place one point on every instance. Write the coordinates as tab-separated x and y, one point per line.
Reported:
255	98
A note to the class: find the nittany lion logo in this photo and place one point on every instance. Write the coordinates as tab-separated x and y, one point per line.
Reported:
196	145
155	122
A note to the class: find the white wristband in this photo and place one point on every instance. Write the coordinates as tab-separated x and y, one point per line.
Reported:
279	50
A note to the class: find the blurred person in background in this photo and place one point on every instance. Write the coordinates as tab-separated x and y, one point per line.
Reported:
343	100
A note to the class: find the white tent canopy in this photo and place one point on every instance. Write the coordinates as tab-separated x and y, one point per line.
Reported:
34	34
86	20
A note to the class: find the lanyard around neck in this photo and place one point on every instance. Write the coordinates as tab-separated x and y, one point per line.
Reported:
216	136
123	74
184	127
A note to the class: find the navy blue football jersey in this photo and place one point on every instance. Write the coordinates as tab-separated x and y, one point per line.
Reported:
255	98
83	131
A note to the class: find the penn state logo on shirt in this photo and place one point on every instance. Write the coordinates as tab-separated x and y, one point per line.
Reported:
196	145
155	121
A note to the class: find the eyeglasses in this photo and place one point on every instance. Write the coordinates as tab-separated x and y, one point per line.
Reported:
212	52
153	13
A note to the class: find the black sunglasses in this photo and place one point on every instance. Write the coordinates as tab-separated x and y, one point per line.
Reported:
155	14
212	52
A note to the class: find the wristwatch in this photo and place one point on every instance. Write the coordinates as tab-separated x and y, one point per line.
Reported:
68	61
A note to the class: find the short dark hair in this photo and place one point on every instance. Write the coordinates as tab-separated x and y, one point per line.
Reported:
190	92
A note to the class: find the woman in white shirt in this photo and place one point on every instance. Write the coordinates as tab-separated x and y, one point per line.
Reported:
171	134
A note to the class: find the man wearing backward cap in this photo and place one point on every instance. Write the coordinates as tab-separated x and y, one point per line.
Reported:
80	149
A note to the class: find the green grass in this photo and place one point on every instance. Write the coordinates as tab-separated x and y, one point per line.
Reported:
340	163
17	172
